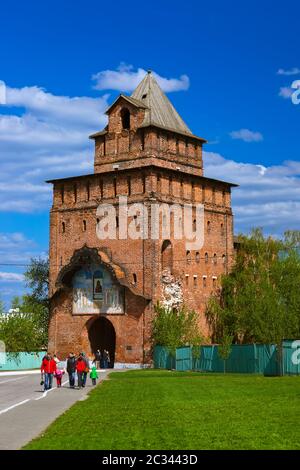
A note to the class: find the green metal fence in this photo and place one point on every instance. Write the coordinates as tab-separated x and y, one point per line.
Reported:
291	357
243	358
21	361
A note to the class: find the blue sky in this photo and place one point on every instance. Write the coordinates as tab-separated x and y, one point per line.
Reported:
233	64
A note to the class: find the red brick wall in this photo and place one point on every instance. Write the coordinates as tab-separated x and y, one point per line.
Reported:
145	175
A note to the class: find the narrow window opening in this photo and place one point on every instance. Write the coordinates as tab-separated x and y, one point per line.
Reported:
125	116
134	278
84	225
129	185
143	140
75	192
62	194
63	227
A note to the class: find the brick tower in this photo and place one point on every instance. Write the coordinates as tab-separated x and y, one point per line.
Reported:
103	291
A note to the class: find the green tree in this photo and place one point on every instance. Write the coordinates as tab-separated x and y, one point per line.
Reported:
37	301
224	348
38	313
174	328
259	300
20	332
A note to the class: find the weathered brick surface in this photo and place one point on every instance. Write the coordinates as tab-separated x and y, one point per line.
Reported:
154	166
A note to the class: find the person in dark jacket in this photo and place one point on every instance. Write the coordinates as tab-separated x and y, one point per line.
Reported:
106	359
97	360
71	369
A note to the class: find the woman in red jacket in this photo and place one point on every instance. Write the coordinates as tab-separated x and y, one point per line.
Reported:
80	368
48	368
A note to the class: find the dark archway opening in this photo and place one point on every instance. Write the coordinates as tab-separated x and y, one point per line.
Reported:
102	336
125	116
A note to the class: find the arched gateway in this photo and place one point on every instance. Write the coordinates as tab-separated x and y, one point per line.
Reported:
102	336
95	307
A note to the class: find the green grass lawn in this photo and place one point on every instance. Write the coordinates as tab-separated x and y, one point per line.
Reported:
163	410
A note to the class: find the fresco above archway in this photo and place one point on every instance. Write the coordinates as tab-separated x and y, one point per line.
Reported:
95	291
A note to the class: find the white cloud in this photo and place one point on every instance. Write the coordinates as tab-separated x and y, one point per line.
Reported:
267	196
15	277
48	139
292	71
246	135
285	92
126	79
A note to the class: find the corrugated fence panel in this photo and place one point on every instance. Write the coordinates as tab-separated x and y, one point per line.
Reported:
163	359
184	359
243	359
21	361
267	359
291	357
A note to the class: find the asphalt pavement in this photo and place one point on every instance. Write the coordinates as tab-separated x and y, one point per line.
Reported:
26	410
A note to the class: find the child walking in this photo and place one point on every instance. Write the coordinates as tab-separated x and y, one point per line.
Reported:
94	375
58	375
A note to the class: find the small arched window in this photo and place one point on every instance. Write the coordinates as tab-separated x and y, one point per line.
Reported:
197	257
208	227
63	227
134	278
188	256
84	225
206	257
215	258
125	117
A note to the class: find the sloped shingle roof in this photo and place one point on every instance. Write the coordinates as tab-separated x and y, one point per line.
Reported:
160	110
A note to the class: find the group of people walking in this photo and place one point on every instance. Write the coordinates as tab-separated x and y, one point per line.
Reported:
75	366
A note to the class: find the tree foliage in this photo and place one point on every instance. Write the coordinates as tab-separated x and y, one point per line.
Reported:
37	301
26	329
259	300
174	328
20	332
224	348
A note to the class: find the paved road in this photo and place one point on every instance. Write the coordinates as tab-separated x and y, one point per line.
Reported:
25	410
